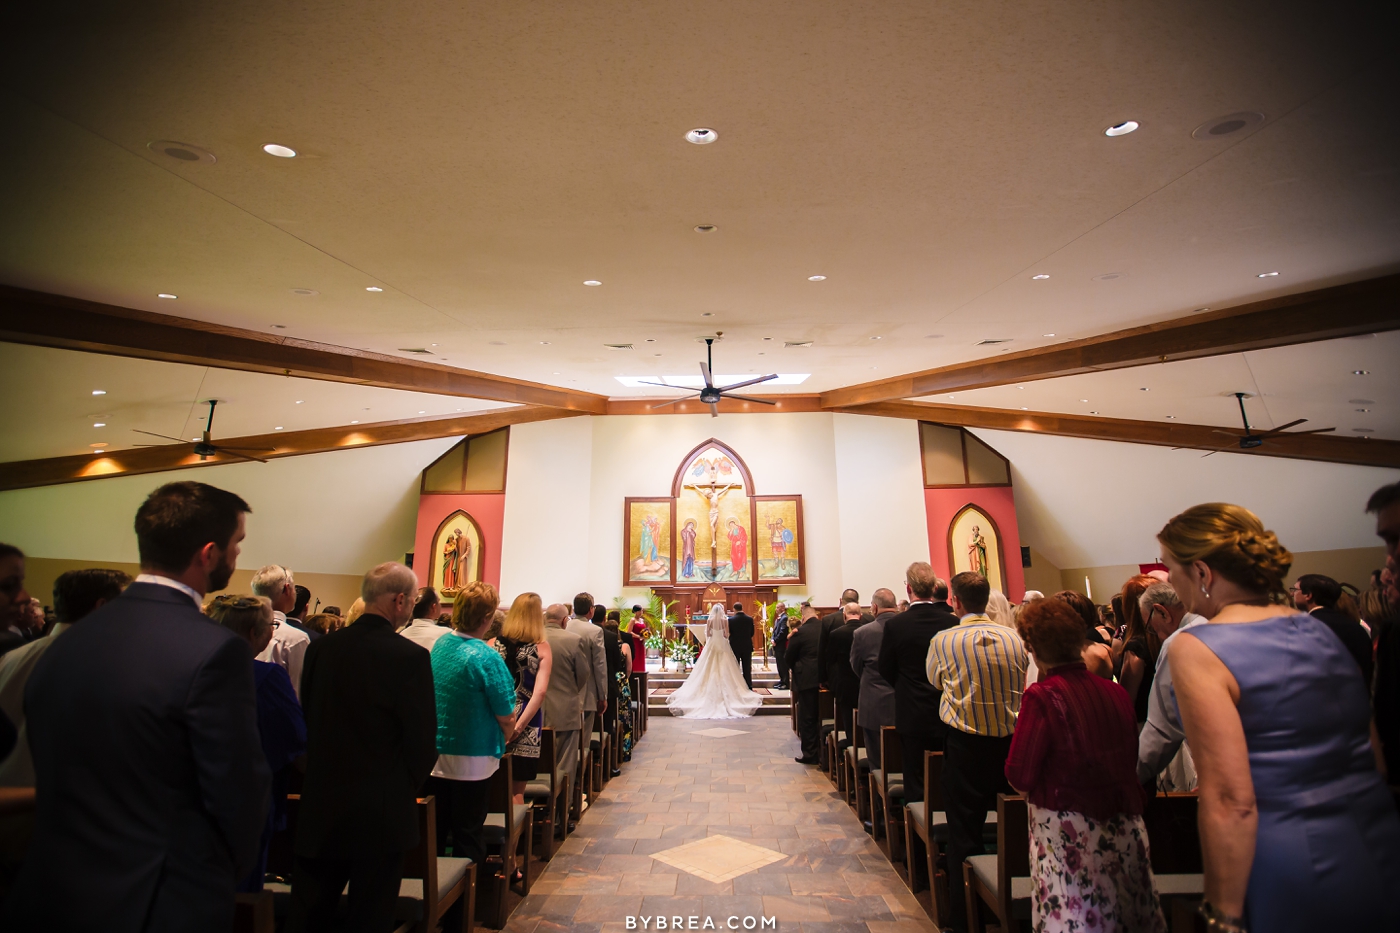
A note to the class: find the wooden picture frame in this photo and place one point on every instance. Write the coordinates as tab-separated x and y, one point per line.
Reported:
957	557
640	569
764	539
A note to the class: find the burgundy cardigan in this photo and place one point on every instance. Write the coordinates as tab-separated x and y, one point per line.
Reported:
1075	745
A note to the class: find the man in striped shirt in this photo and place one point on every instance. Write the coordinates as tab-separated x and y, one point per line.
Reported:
981	668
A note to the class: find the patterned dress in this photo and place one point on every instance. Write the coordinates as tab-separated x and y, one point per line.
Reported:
1091	874
523	661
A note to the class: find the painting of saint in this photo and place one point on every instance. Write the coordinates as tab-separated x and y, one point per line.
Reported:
648	530
738	550
688	535
977	551
779	547
975	544
458	546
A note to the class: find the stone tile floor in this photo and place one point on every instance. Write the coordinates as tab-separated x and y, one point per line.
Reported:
826	875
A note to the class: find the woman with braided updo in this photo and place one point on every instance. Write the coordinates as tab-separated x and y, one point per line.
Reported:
1298	831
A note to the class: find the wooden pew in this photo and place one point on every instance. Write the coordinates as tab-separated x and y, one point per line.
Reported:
887	794
857	772
548	796
1002	882
509	827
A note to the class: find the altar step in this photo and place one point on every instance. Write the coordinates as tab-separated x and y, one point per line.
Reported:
775	702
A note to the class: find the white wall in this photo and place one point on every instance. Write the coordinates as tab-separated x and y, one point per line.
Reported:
548	532
340	512
1086	503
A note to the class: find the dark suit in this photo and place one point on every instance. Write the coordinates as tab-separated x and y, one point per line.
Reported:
876	700
844	682
741	640
152	784
371	741
300	626
803	658
1353	636
780	637
903	657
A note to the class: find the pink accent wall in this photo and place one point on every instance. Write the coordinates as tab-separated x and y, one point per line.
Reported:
998	502
488	509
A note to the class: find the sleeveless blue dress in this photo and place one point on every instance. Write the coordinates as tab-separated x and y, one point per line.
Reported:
1328	850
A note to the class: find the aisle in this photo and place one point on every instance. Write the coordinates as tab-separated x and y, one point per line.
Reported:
774	841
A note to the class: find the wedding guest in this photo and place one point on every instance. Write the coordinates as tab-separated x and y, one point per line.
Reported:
999	609
804	646
620	700
76	594
423	630
570	670
1097	656
357	609
527	655
1163	756
1288	777
981	668
876	694
1140	646
940	596
497	620
1383	613
371	730
1072	756
145	714
829	622
1318	596
281	726
14	599
1385	505
903	651
297	617
475	717
844	681
288	646
595	697
780	640
323	623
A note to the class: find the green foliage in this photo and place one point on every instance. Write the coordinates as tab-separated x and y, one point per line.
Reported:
680	650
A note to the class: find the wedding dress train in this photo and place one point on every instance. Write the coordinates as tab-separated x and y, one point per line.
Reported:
715	688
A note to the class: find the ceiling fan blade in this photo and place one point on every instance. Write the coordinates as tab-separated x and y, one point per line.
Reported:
749	382
673	401
1211	454
666	385
714	410
1282	427
179	440
268	449
750	398
234	453
1301	433
705	371
1228	433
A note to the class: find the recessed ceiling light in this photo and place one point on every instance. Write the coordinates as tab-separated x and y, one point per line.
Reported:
279	326
933	336
767	338
99	391
1109	276
305	292
167	296
796	344
1224	126
701	136
98	444
282	152
1362	409
1361	372
816	278
354	422
1047	335
705	228
1361	401
1121	129
300	400
653	339
1171	417
423	412
1093	413
1364	430
373	288
707	314
544	343
183	152
1143	389
1041	276
278	428
1266	275
99	424
1020	387
1084	400
591	282
1024	408
194	438
875	338
556	374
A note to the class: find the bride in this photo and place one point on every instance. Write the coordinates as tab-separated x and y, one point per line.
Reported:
715	688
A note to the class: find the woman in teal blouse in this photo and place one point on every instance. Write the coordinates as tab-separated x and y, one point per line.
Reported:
475	703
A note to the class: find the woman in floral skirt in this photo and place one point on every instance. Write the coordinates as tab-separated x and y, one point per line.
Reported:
1074	758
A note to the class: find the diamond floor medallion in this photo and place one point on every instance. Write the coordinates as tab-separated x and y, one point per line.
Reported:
718	858
719	732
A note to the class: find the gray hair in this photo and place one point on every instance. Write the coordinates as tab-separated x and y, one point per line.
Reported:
269	581
883	599
389	578
851	609
1158	594
1031	596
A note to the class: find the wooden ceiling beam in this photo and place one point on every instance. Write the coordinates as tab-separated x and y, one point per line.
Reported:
45	320
1366	307
1319	447
784	404
53	471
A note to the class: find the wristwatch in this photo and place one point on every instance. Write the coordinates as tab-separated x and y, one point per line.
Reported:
1219	922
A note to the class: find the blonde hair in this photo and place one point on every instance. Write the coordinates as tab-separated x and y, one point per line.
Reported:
524	620
999	609
473	604
1230	540
357	609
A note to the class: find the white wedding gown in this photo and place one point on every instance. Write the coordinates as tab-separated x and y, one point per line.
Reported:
715	688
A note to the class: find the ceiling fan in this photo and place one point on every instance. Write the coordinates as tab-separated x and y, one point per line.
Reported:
205	446
711	394
1252	438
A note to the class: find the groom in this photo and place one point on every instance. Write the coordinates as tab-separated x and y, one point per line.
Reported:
741	640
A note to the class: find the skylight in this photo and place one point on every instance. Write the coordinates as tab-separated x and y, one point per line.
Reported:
695	382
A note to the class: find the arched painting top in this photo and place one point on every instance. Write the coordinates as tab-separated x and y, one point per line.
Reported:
723	465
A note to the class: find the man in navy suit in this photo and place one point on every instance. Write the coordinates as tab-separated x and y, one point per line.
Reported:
741	640
151	782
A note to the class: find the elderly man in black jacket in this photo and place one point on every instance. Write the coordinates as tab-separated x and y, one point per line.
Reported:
803	658
843	681
152	787
371	741
902	662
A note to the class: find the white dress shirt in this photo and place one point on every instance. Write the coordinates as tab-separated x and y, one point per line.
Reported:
426	632
1162	736
287	649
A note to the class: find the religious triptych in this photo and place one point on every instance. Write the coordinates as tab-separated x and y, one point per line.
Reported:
713	529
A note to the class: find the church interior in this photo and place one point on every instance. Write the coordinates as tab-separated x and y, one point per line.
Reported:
704	304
